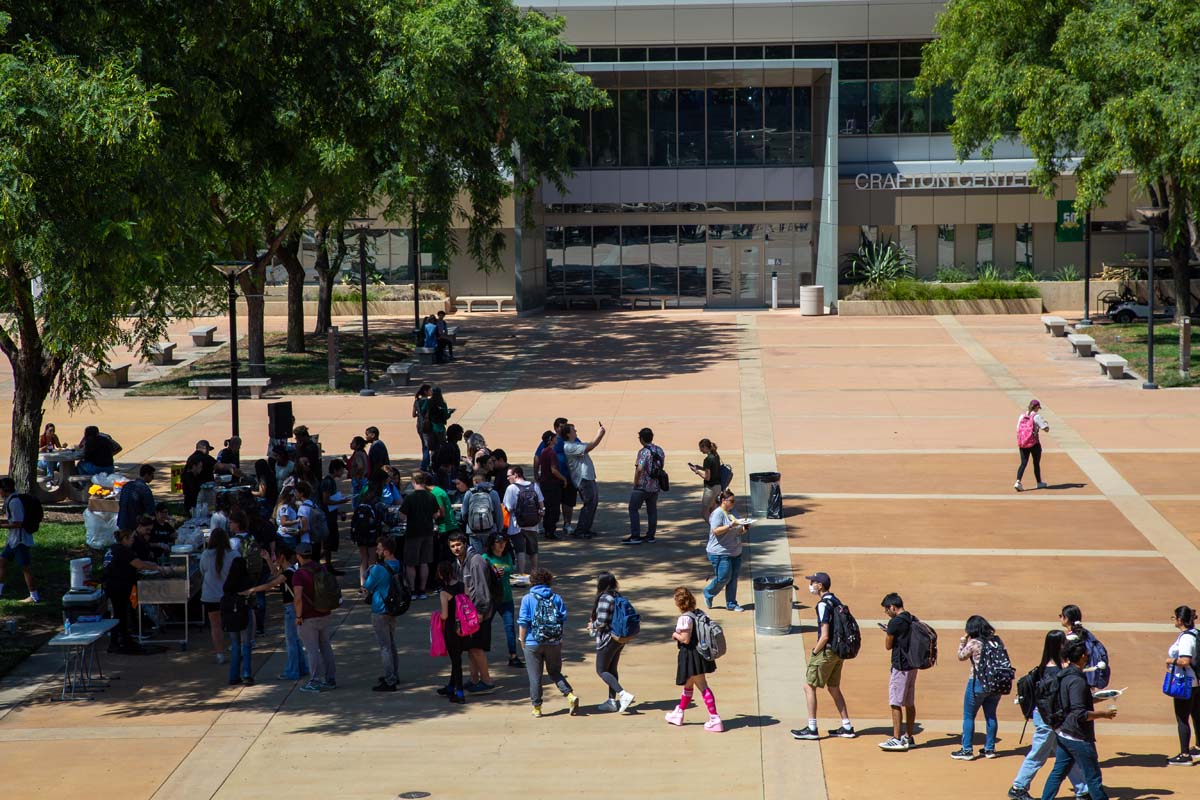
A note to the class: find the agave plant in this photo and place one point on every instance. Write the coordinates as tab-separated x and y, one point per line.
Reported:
1067	272
877	263
988	271
1024	274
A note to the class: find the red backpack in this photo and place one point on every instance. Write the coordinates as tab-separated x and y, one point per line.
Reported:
1027	431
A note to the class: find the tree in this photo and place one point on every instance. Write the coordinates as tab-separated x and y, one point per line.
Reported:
1111	82
89	229
330	257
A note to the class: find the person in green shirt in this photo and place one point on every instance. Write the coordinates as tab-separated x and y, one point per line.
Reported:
448	524
500	558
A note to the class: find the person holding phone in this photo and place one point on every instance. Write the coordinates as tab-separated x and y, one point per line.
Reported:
583	475
724	549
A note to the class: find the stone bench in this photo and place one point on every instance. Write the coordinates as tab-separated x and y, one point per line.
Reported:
1055	325
1081	344
397	371
113	377
202	335
1112	364
162	353
648	299
425	354
471	299
586	299
255	385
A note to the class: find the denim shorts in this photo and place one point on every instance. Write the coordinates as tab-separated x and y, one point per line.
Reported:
20	553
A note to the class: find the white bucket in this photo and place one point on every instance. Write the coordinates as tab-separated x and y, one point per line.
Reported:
81	572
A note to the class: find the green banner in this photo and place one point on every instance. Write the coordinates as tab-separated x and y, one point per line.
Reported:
1069	227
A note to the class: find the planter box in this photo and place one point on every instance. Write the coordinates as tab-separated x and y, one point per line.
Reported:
379	308
885	308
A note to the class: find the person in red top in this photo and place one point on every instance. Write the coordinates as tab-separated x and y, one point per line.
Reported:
313	624
551	482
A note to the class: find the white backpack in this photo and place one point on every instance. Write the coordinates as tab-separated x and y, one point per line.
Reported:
480	514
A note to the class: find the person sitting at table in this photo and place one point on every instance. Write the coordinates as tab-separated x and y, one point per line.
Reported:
48	442
98	451
164	530
120	577
229	460
136	499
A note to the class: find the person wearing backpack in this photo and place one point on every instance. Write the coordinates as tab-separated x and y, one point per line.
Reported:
499	557
824	668
1071	618
608	646
902	681
648	474
451	589
237	621
1029	425
19	546
378	585
542	618
709	471
1045	741
473	572
1076	734
283	569
1181	660
482	510
691	668
525	505
313	621
724	551
978	637
366	525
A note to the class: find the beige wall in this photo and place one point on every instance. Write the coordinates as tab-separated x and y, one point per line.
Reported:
466	277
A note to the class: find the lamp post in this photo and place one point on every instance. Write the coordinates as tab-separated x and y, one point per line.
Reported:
414	263
231	270
1087	271
362	225
1153	217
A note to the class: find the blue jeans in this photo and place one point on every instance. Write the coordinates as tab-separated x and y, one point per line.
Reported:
241	644
1072	754
88	468
1042	747
357	487
426	454
972	702
297	664
635	523
725	573
505	610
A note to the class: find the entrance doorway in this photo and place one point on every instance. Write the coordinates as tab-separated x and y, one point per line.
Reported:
736	273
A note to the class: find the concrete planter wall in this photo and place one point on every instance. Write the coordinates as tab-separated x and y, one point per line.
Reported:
883	308
381	308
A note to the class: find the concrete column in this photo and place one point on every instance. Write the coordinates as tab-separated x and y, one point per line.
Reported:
529	252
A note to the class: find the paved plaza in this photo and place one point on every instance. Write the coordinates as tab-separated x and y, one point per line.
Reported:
895	440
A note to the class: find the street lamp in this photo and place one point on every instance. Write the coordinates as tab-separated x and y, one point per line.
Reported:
1087	271
362	225
1153	217
231	270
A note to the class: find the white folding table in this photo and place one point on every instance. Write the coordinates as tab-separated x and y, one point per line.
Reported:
80	658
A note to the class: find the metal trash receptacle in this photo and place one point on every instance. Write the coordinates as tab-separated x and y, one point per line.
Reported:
766	498
773	605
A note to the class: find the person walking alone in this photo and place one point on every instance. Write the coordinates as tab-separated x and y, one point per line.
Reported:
542	619
1029	426
692	669
710	472
608	649
646	486
1181	659
724	551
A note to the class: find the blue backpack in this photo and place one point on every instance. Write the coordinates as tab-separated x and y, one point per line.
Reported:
625	621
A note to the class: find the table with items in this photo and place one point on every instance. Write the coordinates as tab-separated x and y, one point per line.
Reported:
177	587
81	658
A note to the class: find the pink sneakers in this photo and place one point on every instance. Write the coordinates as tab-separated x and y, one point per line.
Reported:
714	724
675	716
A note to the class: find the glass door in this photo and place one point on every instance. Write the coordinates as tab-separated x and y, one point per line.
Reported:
735	273
750	277
720	274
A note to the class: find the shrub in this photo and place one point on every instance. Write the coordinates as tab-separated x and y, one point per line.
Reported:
988	272
877	263
952	275
1024	273
1067	272
911	290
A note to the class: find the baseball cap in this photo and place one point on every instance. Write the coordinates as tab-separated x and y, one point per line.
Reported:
204	445
304	549
1035	403
820	577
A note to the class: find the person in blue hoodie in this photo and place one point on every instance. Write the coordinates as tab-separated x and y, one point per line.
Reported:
379	579
543	615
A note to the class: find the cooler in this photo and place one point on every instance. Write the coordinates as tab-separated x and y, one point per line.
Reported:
79	603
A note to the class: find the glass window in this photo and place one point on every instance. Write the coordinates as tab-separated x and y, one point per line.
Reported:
604	54
803	117
664	150
720	54
750	52
720	127
848	70
911	49
884	109
914	111
852	108
778	51
690	54
749	126
691	127
777	124
606	260
984	249
941	111
604	134
633	54
581	154
635	259
633	128
868	234
910	68
885	69
575	57
852	50
1025	245
945	247
693	265
577	260
907	239
815	51
556	279
662	54
664	260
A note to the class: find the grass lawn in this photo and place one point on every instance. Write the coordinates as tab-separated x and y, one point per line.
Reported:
55	544
1129	342
293	373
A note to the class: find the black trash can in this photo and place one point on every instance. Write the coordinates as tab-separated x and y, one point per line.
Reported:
773	605
766	498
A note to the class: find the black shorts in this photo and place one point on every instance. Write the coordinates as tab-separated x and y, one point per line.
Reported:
481	639
418	550
211	608
569	495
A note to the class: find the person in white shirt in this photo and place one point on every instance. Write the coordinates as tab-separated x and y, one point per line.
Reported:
1029	425
19	545
1181	659
526	505
583	475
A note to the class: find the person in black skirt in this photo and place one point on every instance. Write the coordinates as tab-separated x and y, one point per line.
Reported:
692	667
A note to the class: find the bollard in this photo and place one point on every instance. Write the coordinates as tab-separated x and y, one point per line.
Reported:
774	291
333	357
1185	347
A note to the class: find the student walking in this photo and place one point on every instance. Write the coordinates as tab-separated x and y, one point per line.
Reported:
902	680
378	585
18	547
1029	425
543	615
1077	734
709	471
1181	660
499	557
691	668
608	649
1045	740
824	666
979	634
724	551
646	486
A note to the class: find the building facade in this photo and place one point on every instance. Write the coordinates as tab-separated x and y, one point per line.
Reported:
754	139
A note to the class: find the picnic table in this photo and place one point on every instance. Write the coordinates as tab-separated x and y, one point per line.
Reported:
80	658
66	459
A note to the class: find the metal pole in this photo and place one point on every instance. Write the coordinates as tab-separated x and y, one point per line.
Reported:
362	286
233	355
414	261
1087	269
1149	384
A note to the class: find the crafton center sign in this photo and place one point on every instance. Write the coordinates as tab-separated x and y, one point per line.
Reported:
904	181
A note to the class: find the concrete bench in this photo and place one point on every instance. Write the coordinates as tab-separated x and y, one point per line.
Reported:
1055	325
472	299
1113	365
255	385
586	299
396	372
162	353
113	377
202	335
425	354
649	299
1081	344
78	486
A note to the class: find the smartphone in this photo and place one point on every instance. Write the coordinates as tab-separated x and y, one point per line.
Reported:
693	466
882	627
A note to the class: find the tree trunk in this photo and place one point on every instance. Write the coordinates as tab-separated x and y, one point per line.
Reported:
30	389
289	254
1181	252
253	282
325	276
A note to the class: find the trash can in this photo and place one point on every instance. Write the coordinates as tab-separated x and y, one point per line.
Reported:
812	301
773	605
766	499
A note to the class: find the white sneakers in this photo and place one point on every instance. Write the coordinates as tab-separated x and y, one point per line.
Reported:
608	705
1042	485
626	700
1018	486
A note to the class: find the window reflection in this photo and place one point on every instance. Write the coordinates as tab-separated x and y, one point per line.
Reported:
852	107
605	129
691	127
577	260
633	127
635	259
749	126
606	260
777	124
720	127
664	260
664	151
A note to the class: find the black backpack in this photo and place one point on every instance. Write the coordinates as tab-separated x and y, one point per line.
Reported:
845	638
1048	700
1027	691
658	473
33	512
994	671
365	524
921	652
399	596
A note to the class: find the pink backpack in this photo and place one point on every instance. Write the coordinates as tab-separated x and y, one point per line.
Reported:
1027	431
468	617
437	637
